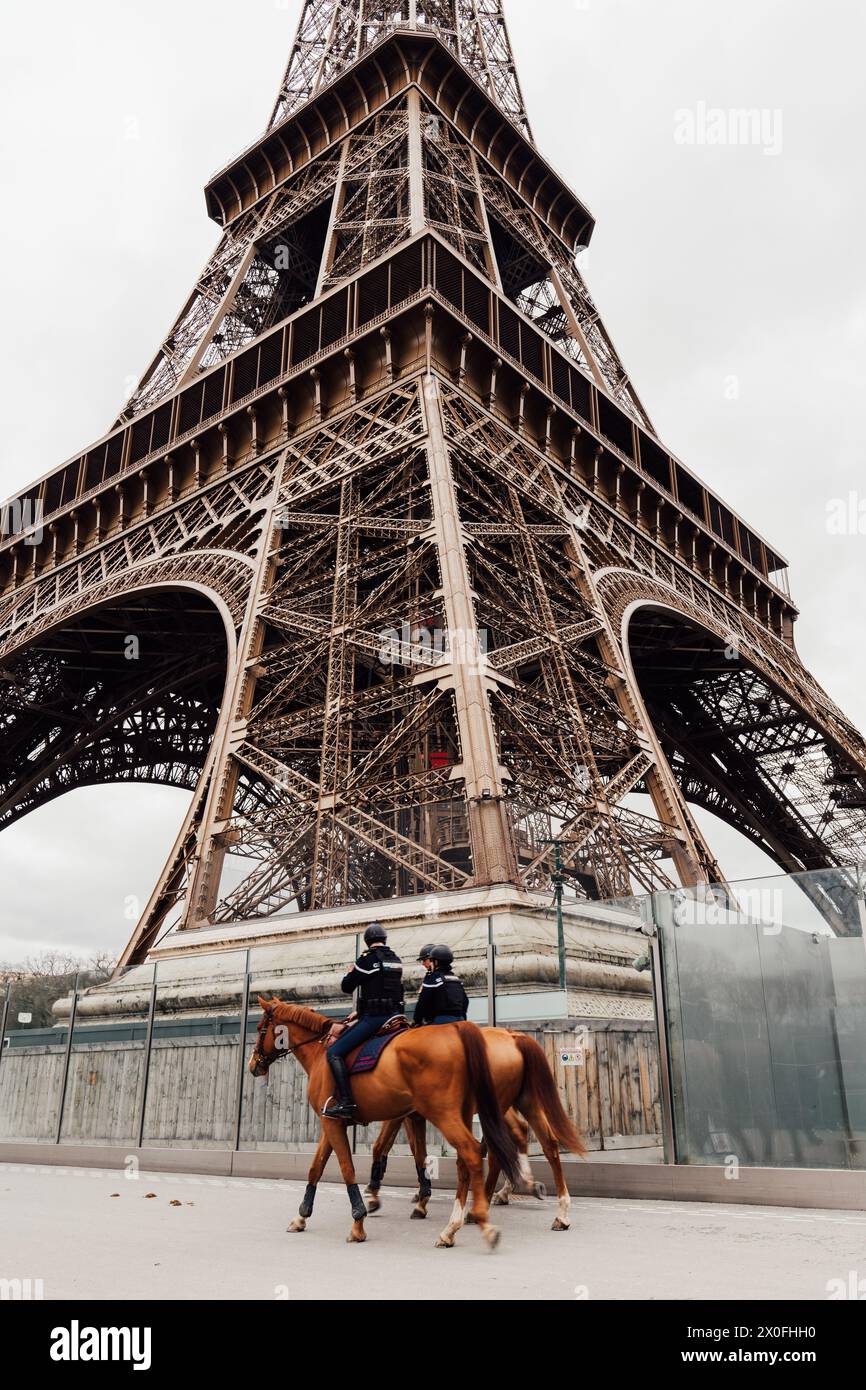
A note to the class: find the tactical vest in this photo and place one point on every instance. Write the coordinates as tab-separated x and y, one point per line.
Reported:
442	993
380	980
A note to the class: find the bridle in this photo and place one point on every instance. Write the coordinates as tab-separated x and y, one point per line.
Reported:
267	1062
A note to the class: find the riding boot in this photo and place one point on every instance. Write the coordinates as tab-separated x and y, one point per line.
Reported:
345	1106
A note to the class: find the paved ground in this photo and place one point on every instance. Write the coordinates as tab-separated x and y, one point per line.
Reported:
227	1240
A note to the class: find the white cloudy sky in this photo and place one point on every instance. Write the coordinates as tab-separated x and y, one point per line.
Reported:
707	264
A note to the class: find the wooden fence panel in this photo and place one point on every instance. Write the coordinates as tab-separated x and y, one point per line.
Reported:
612	1095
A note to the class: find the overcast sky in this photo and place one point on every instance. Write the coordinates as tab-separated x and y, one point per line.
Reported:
730	276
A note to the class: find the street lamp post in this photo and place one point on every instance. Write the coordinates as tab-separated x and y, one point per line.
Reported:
558	884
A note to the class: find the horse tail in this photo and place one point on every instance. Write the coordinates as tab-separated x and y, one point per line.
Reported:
499	1138
540	1086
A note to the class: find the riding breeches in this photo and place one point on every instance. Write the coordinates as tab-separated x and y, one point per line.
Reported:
358	1033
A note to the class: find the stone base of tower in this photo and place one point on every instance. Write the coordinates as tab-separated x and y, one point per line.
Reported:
156	1054
303	958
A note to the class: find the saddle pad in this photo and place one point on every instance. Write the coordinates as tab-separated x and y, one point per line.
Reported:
368	1054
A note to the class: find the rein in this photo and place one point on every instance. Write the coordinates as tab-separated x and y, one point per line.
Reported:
287	1051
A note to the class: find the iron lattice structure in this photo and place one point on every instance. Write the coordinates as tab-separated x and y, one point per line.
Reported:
333	34
384	561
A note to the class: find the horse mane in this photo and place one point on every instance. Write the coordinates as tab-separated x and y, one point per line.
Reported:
304	1018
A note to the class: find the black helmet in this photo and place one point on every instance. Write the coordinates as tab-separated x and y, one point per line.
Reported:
442	955
375	933
425	952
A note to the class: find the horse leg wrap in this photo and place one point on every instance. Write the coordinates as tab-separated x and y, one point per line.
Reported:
306	1207
359	1211
425	1186
377	1174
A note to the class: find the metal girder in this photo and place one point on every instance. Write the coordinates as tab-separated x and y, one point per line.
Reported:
405	623
553	292
743	751
333	34
429	680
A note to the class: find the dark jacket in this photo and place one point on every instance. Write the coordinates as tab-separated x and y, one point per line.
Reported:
441	993
378	975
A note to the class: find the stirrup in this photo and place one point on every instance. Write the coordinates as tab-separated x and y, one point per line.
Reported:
338	1110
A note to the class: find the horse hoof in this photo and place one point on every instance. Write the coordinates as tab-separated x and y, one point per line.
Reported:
560	1225
499	1200
444	1243
299	1224
418	1215
493	1235
373	1203
539	1191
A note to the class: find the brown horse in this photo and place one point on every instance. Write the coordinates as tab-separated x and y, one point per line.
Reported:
526	1090
441	1074
416	1133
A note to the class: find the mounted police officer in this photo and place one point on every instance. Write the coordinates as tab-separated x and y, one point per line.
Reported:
378	976
443	998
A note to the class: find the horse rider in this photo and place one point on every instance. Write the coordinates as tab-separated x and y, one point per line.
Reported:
443	998
378	976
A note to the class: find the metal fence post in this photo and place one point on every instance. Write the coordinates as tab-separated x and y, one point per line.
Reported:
6	998
148	1045
861	901
242	1051
66	1060
491	975
355	998
656	949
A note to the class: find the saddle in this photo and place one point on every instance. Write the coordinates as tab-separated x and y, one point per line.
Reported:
398	1024
366	1059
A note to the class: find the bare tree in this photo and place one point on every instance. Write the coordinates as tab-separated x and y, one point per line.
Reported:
41	980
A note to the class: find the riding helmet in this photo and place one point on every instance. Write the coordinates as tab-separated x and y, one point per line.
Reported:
375	934
442	955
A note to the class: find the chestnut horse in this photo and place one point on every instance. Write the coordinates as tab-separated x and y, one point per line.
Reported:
416	1134
439	1073
520	1077
538	1099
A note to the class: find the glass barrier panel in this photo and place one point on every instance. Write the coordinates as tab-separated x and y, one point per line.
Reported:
275	1115
579	981
105	1083
194	1068
554	965
32	1067
468	940
765	984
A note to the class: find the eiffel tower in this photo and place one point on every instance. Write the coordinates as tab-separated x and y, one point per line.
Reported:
384	561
